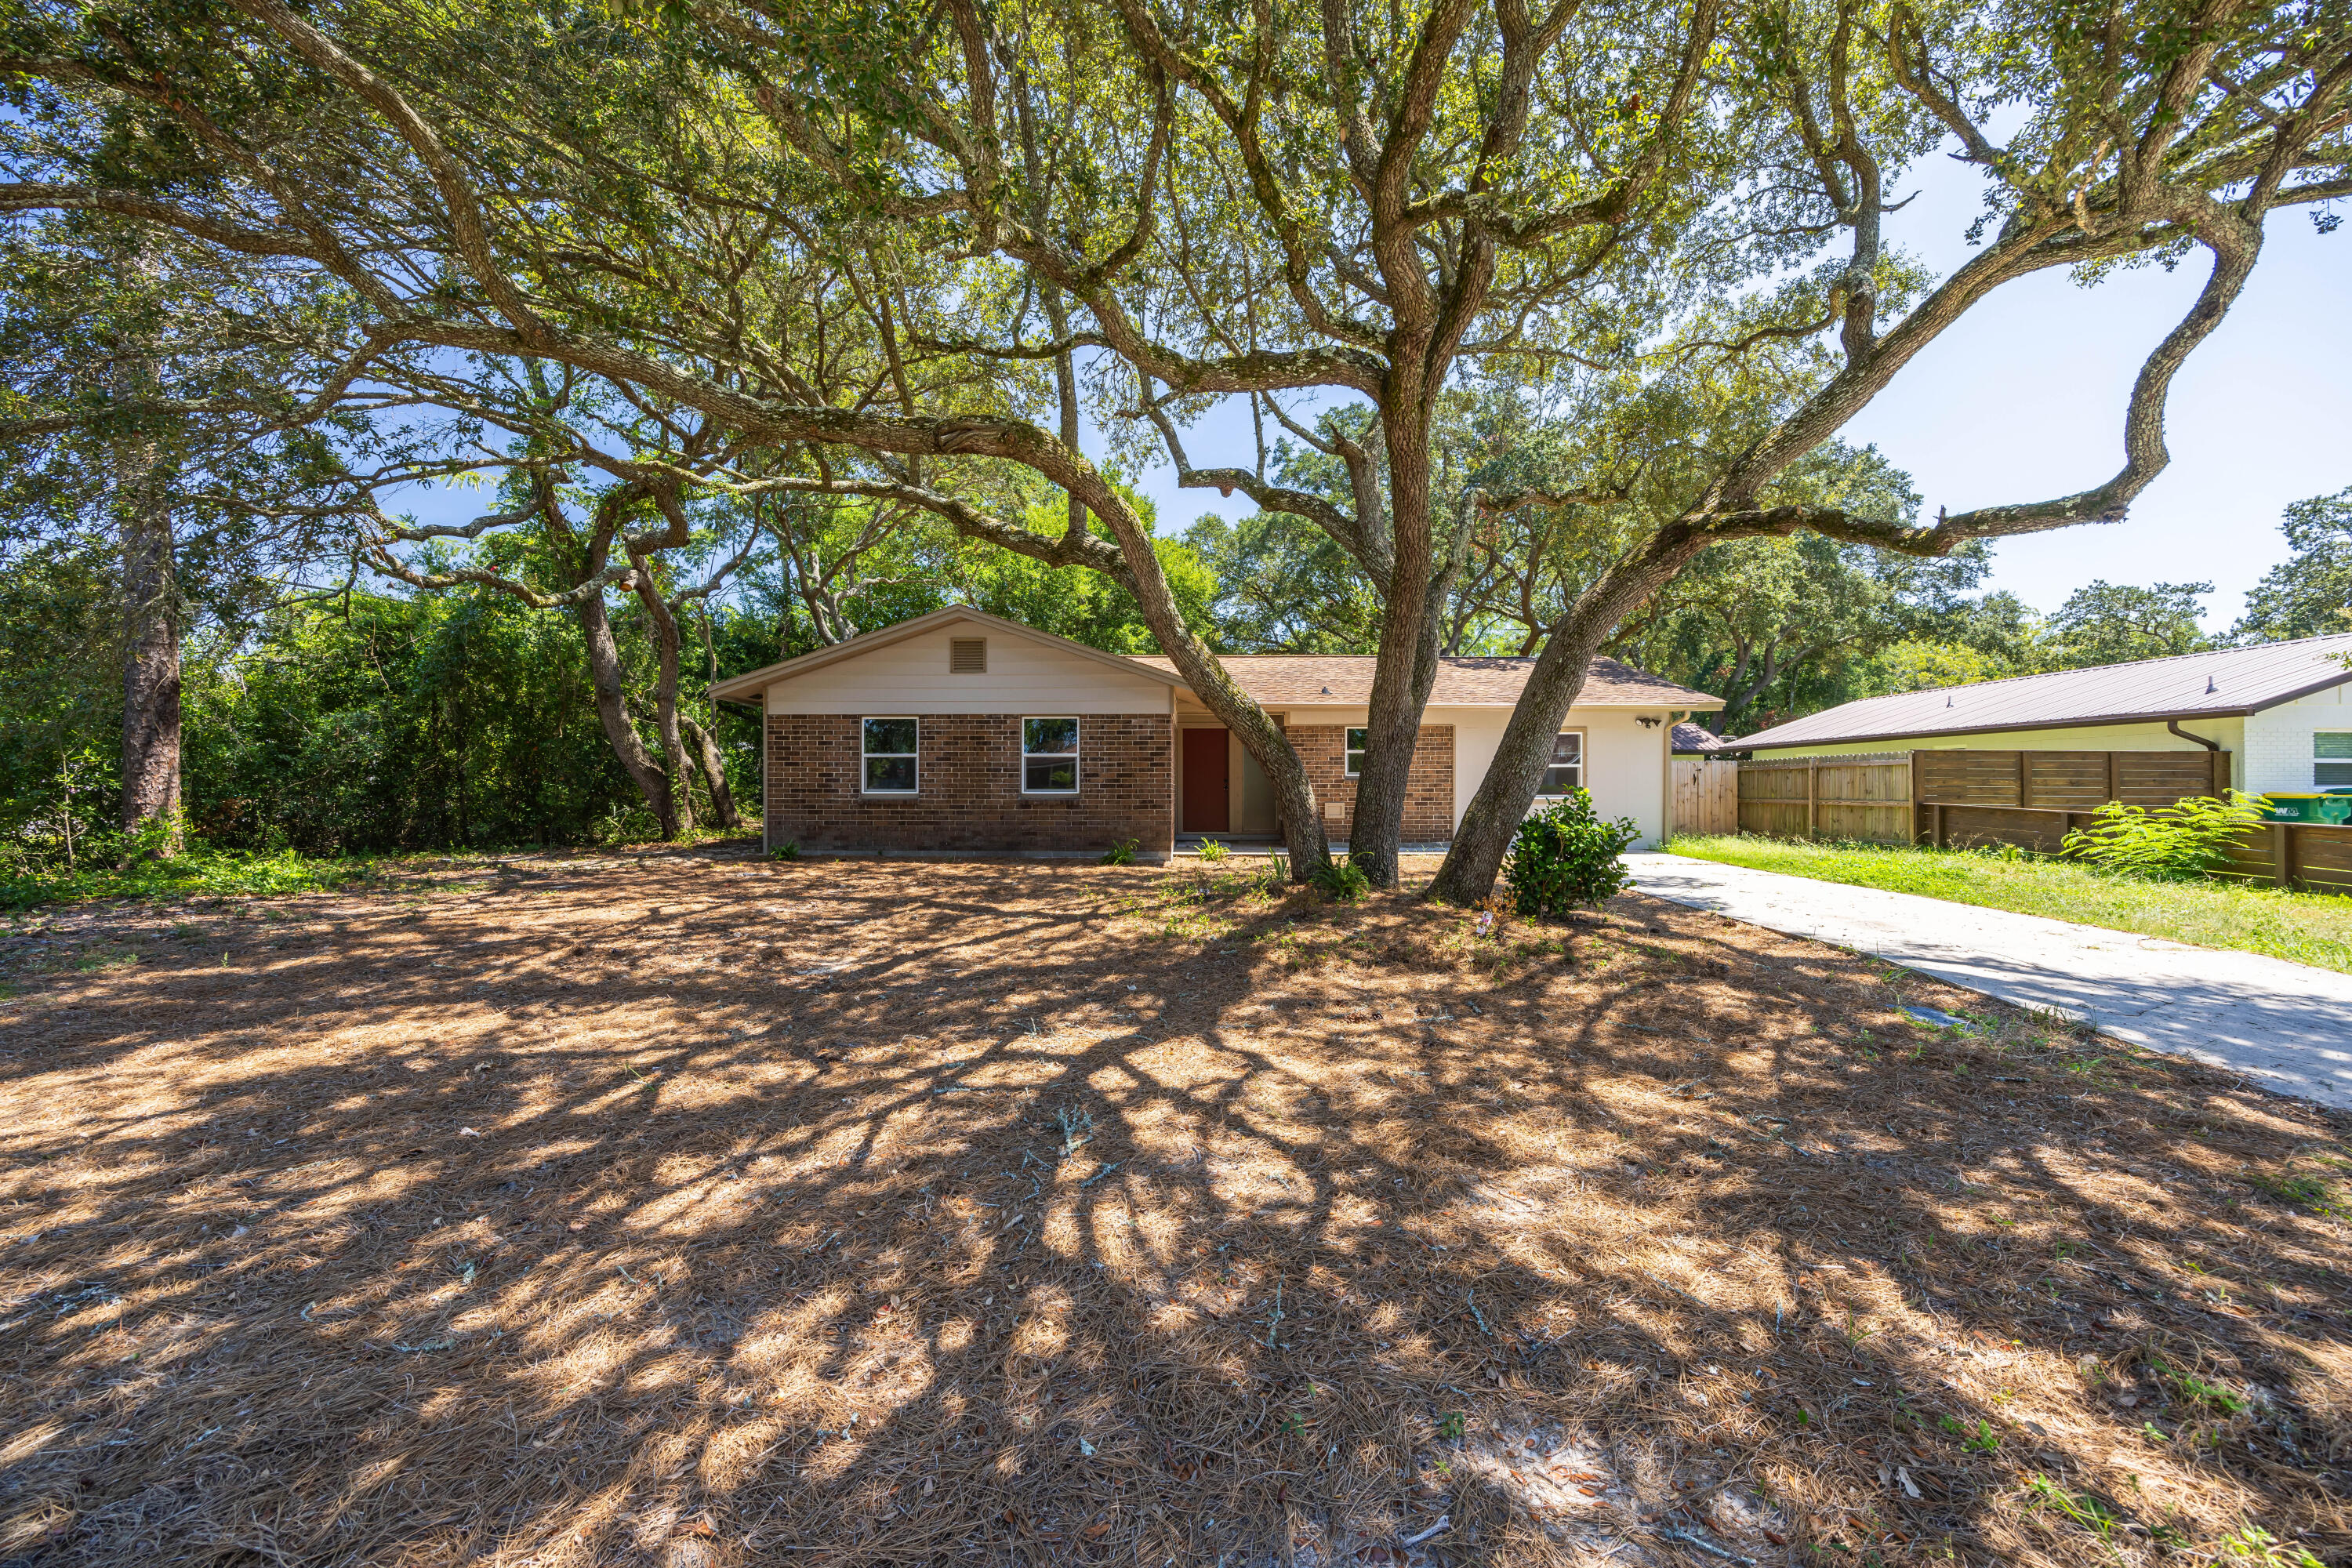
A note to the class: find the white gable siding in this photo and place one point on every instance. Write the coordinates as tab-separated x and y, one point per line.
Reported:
1024	677
2278	740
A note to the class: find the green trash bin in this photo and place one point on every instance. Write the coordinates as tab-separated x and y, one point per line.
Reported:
2297	805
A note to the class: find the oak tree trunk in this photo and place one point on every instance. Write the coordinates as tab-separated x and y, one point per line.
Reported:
611	709
714	774
666	724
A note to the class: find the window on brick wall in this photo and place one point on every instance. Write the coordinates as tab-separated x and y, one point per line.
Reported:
1567	770
890	745
1357	741
1049	756
2331	758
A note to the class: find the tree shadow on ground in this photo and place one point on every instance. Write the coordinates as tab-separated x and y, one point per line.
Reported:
703	1211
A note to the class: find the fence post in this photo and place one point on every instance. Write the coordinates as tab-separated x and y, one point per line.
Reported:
1812	799
2278	854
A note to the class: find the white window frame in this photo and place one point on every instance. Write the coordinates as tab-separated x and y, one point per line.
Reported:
864	756
1078	740
1583	758
2318	762
1350	755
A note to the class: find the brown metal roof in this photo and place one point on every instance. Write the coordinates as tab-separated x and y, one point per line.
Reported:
2225	683
1690	739
1345	680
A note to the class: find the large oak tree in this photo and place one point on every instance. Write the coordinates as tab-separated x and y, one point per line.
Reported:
1155	207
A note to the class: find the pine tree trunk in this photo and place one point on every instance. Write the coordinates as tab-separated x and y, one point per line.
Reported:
151	637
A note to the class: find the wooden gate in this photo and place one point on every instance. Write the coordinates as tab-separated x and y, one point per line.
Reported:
1705	797
1864	796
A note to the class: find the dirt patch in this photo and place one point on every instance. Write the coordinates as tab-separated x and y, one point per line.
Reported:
699	1211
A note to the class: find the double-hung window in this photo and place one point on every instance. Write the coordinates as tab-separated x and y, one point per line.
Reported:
889	747
1049	756
2331	758
1358	740
1566	773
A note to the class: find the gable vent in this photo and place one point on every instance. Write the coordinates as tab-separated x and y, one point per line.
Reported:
967	655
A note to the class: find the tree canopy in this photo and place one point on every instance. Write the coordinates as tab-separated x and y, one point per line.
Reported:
1485	271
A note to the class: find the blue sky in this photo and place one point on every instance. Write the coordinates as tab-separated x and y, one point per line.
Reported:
2023	401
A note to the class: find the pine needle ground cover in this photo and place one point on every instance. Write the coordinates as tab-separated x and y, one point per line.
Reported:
702	1210
2303	927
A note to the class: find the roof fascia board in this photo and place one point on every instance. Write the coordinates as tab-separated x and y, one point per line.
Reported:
2189	716
2301	692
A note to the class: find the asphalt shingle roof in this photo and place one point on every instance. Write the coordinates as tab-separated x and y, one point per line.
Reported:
1341	679
1689	737
2224	683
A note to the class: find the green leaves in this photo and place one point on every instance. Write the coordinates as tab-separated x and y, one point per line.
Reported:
2190	838
1565	856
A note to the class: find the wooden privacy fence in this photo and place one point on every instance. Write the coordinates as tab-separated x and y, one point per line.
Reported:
1705	797
2031	799
1866	796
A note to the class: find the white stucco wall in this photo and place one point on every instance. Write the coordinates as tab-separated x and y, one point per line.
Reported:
2278	752
2229	733
1625	764
1024	677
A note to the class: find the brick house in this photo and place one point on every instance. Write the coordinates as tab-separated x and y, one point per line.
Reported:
960	730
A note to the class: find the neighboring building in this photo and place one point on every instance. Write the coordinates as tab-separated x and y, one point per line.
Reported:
2280	709
1695	740
962	731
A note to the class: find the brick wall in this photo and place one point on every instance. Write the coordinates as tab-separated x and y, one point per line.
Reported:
969	787
1429	786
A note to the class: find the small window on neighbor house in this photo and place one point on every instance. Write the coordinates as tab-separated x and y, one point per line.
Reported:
1357	742
967	655
889	745
2331	758
1049	756
1567	770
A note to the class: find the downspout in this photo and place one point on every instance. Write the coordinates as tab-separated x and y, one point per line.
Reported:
2174	725
2213	746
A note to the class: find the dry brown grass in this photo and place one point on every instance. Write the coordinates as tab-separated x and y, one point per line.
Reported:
706	1212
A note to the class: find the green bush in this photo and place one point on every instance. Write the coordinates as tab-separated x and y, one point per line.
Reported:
1120	854
1341	879
790	849
1212	849
1565	856
2189	839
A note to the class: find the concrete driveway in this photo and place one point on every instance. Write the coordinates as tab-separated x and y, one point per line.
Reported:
2286	1026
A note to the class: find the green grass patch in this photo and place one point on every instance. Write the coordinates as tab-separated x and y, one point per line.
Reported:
204	874
2306	927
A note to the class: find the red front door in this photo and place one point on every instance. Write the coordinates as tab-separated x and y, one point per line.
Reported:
1207	794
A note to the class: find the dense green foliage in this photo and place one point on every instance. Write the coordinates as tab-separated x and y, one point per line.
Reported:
1566	857
2189	839
2310	593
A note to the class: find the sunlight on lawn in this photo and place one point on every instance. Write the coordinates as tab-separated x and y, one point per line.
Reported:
2307	928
